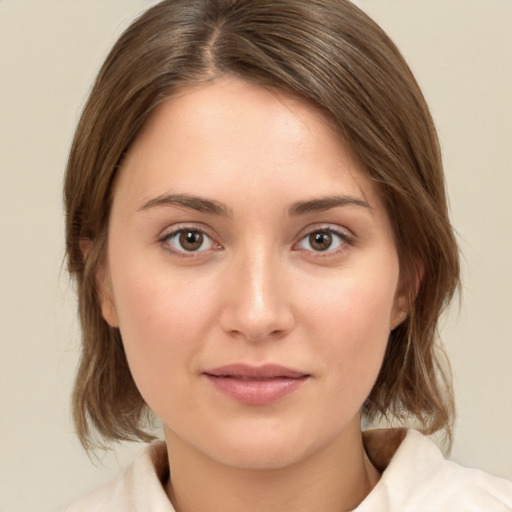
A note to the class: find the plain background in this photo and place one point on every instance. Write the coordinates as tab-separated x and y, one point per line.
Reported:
50	51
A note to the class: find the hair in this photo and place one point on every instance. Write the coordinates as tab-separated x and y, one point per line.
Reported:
332	55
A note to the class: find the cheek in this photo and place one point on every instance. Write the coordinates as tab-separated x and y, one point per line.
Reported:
163	321
350	322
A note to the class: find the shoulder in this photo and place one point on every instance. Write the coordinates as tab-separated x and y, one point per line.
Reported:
138	488
418	478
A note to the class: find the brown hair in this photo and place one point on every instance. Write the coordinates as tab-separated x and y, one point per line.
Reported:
329	53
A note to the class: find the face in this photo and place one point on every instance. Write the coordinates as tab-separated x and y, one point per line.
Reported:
252	272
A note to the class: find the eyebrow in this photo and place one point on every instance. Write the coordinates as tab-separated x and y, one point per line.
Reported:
326	203
204	205
199	204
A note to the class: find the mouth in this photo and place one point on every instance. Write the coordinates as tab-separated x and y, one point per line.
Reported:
256	385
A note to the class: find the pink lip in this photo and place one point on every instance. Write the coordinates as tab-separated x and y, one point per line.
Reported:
255	385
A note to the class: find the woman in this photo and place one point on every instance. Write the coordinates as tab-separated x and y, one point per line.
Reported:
257	224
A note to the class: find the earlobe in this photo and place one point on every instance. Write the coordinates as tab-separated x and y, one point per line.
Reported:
85	244
105	296
400	308
399	316
406	296
103	286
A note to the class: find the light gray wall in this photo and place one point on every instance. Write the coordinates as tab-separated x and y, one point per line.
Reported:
50	50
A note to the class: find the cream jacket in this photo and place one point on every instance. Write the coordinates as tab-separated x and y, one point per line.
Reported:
415	478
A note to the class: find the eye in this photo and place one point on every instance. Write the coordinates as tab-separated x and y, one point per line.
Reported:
323	240
188	241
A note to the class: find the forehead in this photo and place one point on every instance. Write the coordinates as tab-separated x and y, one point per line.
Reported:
229	135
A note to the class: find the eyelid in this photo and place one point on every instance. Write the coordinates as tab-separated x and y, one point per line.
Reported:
347	238
173	230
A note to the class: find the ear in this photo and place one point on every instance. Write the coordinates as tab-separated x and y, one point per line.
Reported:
400	309
105	296
103	286
406	295
85	244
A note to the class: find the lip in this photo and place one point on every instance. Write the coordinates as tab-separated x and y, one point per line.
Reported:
256	385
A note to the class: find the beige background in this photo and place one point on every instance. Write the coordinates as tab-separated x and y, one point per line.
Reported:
50	50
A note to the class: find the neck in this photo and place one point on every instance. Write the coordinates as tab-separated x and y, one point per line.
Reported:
334	479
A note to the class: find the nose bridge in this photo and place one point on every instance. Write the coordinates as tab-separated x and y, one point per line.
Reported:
256	304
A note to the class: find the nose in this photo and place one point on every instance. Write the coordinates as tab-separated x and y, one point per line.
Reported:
256	303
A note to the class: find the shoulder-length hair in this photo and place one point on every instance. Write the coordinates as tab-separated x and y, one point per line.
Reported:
332	55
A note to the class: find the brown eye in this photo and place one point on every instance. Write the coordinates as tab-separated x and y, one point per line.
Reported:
329	241
185	240
191	240
320	241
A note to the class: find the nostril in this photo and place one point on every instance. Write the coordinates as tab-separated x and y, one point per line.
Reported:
256	305
255	330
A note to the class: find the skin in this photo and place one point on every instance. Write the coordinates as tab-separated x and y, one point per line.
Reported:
256	291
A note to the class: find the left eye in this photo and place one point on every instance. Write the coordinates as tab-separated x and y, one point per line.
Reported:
189	240
322	241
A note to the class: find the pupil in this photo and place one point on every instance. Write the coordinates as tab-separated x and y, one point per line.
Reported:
320	241
191	240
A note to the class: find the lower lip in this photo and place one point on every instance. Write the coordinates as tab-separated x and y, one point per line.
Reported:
256	392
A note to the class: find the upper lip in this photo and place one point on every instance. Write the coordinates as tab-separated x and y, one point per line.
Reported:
245	371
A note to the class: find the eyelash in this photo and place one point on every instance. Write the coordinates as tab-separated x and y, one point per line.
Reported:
345	241
183	253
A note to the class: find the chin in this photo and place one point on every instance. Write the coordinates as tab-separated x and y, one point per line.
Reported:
268	448
258	455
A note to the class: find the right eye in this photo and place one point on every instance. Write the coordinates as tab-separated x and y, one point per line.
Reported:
188	240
